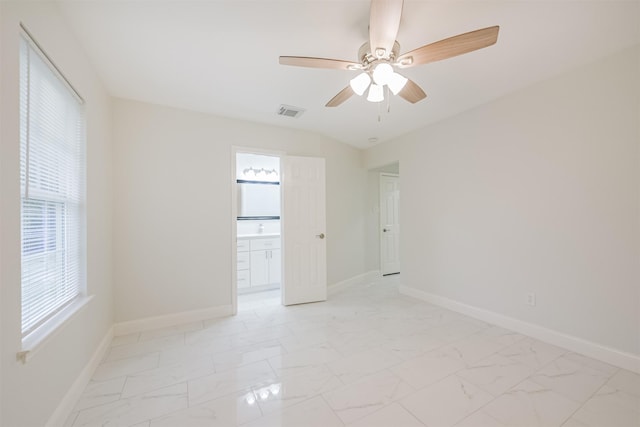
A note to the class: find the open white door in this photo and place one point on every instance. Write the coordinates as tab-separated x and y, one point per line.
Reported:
389	224
304	222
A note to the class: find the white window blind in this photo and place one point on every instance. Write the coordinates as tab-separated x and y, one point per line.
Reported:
52	189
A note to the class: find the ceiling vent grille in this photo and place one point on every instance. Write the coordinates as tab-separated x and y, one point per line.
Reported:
290	111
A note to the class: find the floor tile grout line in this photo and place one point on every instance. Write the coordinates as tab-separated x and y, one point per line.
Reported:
321	395
581	404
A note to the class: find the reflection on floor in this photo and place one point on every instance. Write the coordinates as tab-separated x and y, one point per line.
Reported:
254	300
367	357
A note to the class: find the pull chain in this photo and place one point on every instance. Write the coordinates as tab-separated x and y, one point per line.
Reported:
387	97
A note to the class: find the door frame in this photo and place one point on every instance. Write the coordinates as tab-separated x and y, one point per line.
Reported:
234	215
380	235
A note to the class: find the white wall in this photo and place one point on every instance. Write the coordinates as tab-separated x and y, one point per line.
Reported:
173	205
31	392
536	192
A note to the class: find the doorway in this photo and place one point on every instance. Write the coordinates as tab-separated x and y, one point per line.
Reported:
278	203
383	220
258	229
389	224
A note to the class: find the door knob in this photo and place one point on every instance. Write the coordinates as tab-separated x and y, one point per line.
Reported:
320	236
384	230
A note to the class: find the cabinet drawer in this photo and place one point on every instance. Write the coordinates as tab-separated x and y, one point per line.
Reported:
243	245
262	244
243	261
244	279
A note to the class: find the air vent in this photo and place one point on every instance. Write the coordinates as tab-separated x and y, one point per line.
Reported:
290	111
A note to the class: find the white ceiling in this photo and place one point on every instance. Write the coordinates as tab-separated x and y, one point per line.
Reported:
221	57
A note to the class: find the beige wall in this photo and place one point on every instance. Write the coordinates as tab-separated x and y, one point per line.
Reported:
536	192
173	205
31	392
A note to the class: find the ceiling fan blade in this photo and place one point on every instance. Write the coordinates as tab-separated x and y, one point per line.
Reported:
412	92
384	21
448	48
342	96
304	61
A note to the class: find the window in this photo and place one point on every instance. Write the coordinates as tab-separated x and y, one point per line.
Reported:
52	189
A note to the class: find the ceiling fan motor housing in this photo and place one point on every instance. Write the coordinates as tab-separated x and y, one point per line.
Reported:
366	57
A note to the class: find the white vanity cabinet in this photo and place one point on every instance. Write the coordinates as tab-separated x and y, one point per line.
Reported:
243	262
259	262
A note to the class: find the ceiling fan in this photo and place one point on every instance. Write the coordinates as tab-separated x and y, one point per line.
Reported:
380	56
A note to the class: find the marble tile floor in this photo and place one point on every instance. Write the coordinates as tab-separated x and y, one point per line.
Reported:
257	300
368	357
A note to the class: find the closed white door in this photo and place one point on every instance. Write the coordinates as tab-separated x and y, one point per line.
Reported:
389	224
304	222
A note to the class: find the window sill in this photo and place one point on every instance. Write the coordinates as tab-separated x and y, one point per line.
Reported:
33	342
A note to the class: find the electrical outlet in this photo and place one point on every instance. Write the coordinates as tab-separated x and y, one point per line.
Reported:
531	299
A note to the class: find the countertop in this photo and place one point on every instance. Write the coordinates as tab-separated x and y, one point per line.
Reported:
257	235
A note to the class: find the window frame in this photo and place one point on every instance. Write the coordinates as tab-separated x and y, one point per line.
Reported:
44	329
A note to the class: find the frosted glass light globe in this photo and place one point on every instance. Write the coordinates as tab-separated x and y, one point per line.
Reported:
396	83
360	83
375	93
382	73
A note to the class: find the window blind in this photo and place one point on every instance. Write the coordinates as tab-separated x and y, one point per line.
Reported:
52	189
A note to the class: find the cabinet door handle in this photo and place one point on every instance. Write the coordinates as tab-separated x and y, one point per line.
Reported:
320	236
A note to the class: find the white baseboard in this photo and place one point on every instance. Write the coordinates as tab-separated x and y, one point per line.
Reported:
360	278
156	322
64	409
609	355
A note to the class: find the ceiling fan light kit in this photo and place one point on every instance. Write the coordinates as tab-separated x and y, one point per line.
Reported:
383	74
377	63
